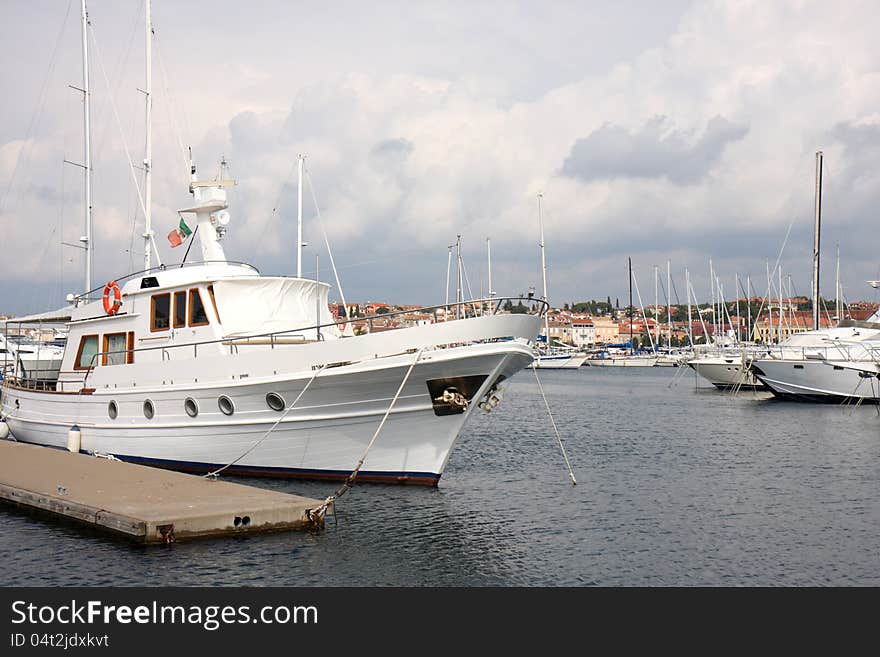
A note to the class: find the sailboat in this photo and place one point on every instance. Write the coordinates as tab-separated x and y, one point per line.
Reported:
824	364
548	355
725	363
631	359
211	366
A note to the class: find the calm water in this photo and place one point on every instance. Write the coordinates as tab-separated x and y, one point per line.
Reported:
677	485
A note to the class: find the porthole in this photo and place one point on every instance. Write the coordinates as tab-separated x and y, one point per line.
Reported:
149	411
226	405
191	407
112	410
275	401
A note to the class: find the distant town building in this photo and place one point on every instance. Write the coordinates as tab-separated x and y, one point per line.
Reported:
786	325
606	330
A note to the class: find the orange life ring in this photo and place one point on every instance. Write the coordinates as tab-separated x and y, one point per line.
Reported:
111	307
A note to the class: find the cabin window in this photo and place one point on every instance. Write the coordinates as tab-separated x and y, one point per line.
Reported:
197	314
180	309
213	301
160	312
115	349
88	348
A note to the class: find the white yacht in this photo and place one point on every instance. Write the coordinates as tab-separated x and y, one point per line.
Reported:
823	365
202	366
726	371
212	366
623	360
558	358
37	361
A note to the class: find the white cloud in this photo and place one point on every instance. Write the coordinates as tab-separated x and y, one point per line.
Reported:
417	143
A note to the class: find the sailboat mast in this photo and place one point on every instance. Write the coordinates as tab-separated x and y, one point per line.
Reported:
459	292
544	271
816	236
749	304
687	284
629	310
148	151
299	215
769	303
837	287
736	287
448	269
781	309
668	305
87	151
714	306
656	307
489	258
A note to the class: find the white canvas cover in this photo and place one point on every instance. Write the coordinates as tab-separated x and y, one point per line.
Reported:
249	306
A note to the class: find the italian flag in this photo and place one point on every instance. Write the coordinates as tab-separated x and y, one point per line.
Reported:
179	234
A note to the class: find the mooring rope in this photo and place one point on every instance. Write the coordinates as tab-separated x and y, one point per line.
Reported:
317	514
216	473
553	422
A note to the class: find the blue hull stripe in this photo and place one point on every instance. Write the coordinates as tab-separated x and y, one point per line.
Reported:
426	478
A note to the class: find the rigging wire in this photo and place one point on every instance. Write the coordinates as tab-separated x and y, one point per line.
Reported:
118	123
327	244
553	422
101	141
317	514
275	206
216	473
38	110
172	107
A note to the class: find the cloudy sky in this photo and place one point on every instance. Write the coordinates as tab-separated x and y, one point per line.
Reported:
680	131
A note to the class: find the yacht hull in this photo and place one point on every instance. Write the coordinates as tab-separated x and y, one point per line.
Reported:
726	373
558	362
322	437
622	362
815	381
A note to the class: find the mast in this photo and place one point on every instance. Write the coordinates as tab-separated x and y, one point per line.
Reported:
769	303
687	284
299	215
749	305
656	308
148	151
781	309
837	286
459	292
736	288
816	236
87	150
668	306
629	310
544	271
714	306
448	269
489	257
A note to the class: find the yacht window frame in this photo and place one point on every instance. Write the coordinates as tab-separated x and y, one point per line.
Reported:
105	344
194	291
174	315
153	298
214	302
79	350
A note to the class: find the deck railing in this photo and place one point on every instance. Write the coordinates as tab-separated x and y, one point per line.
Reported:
303	335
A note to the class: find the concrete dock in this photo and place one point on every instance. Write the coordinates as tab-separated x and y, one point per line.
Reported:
146	504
